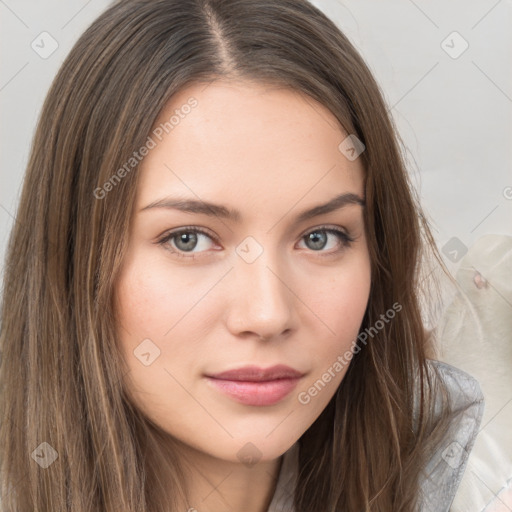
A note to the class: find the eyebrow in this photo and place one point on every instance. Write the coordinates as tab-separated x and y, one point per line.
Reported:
218	210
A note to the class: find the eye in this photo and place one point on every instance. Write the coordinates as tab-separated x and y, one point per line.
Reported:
318	239
185	240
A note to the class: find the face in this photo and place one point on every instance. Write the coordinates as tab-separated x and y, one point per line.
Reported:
225	270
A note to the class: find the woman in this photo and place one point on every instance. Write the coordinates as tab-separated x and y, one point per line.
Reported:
211	295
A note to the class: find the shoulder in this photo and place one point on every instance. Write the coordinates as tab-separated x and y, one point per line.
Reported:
463	388
446	465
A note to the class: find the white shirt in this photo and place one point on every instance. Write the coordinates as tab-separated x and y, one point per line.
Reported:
445	468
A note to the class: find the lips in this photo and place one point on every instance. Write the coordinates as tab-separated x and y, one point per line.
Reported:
257	374
256	386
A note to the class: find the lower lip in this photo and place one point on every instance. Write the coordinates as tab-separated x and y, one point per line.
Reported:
256	393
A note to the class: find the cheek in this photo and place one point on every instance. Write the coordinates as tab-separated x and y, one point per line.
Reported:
340	306
141	299
151	300
148	311
160	304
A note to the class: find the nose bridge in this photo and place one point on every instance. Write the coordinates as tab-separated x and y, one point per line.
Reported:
262	302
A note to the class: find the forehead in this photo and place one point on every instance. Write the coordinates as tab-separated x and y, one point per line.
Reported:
246	142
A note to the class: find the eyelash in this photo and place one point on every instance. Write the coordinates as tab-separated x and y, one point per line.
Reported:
346	240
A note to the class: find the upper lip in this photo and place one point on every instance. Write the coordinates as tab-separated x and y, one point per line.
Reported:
257	374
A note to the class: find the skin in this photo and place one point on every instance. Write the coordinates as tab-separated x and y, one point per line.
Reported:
270	153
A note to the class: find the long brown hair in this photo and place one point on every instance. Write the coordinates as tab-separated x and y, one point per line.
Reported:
62	371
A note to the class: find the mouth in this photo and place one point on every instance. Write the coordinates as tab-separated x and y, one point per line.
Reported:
256	386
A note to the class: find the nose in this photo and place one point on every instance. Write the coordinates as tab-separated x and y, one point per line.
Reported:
262	301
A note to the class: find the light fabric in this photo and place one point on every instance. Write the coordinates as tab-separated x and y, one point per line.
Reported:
474	333
445	467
